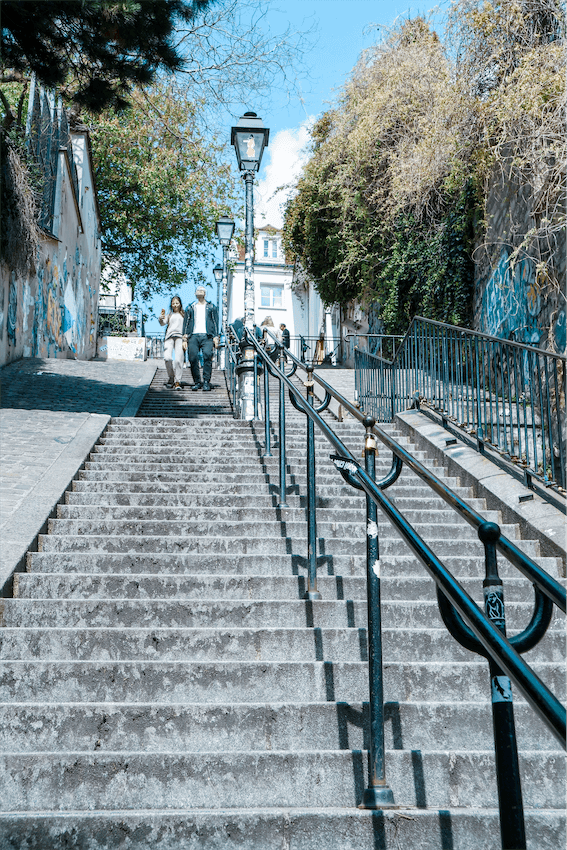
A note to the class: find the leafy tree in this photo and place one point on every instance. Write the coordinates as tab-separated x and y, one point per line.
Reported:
162	183
374	213
161	166
93	51
390	208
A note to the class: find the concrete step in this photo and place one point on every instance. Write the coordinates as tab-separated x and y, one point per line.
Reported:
165	498
111	781
146	543
226	613
273	829
269	528
148	586
236	643
339	565
204	513
258	681
255	727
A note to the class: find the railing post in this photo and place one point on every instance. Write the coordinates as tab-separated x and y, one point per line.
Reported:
268	449
282	502
512	829
312	592
255	386
378	795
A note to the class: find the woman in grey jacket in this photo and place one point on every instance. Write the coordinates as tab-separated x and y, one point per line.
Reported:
173	342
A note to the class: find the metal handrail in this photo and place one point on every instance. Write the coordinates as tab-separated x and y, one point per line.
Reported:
516	668
546	583
484	633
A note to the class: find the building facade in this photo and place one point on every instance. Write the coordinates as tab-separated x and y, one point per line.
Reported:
286	295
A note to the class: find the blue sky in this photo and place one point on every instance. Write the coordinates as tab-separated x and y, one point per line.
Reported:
343	29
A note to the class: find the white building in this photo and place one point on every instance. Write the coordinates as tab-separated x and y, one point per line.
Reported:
115	300
283	294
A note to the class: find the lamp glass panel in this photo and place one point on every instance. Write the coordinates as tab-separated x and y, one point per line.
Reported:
250	146
225	229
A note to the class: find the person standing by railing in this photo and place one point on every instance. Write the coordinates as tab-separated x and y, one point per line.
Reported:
173	342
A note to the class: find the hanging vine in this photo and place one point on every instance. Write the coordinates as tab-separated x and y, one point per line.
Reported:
391	204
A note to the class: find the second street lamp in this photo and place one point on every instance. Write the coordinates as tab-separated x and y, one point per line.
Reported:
225	229
217	271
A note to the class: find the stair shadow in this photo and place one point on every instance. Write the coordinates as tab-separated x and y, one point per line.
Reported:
446	828
418	779
379	831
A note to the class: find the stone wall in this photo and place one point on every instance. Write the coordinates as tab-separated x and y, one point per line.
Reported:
519	301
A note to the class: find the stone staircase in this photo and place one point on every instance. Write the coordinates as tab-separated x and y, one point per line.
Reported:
164	685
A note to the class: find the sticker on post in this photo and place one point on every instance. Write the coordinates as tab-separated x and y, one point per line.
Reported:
372	529
344	463
501	689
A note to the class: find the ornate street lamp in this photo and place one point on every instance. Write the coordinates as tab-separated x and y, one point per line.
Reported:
217	271
249	138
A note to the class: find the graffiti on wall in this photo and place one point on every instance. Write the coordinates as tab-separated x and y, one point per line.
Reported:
12	309
512	304
52	313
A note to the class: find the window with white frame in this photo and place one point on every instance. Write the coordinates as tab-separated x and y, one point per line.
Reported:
271	296
266	248
274	248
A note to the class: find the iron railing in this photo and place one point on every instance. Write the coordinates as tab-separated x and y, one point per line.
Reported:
505	398
481	632
383	345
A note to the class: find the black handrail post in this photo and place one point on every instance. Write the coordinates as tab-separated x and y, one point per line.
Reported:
267	441
282	503
512	828
378	795
312	592
255	386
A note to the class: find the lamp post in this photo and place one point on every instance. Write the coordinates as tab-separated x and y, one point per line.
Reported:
225	229
249	138
217	271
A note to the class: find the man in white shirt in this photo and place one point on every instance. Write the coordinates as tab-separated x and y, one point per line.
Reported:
200	334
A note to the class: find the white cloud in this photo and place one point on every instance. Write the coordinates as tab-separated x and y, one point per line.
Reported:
287	153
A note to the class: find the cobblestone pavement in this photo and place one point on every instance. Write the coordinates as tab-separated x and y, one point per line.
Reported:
50	408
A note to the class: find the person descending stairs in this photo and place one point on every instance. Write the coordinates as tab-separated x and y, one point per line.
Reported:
165	685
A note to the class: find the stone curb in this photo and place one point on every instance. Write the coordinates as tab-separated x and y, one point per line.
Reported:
537	518
21	530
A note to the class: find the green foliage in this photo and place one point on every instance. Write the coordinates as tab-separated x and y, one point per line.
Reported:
161	187
390	206
429	273
94	51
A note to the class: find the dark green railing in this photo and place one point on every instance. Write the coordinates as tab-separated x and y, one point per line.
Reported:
504	398
481	632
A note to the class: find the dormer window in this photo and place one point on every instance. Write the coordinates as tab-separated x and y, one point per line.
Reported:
274	248
266	248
